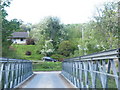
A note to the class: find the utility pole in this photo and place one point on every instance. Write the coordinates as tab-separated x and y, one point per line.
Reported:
83	39
119	24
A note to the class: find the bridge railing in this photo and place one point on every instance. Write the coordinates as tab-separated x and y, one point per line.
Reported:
13	72
99	70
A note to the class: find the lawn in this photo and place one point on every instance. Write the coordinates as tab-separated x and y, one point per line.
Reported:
22	49
47	66
41	66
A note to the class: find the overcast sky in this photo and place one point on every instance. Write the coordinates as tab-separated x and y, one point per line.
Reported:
69	11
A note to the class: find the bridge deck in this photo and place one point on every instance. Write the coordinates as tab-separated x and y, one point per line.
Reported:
47	80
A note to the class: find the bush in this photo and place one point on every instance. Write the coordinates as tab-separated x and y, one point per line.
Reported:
65	48
30	42
58	57
9	52
28	53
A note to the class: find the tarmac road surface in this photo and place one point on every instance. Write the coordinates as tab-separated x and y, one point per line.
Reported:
47	80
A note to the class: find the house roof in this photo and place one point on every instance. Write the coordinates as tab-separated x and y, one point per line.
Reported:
20	35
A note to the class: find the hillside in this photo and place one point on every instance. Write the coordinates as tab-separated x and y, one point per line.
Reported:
22	49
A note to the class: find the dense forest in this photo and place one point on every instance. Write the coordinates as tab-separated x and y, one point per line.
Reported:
55	39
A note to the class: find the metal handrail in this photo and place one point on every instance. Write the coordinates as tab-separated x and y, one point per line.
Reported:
86	71
13	72
109	54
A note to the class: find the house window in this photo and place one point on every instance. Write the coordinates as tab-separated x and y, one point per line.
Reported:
21	39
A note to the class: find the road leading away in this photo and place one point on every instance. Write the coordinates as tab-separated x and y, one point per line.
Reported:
47	80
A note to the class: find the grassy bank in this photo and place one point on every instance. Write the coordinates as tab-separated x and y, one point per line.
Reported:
22	49
47	66
41	66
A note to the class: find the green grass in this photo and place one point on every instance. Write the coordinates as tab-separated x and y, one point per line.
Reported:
47	66
21	50
41	66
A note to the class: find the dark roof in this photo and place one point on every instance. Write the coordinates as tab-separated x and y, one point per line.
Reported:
20	35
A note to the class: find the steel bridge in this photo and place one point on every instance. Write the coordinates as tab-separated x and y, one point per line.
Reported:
98	70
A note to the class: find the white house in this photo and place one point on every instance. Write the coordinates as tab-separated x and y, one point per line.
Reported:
19	37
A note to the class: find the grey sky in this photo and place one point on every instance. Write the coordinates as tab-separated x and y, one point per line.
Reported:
69	11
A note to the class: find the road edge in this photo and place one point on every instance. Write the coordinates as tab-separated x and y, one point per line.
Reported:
23	83
67	82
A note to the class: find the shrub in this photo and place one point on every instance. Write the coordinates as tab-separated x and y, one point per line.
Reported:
28	53
65	48
30	41
58	57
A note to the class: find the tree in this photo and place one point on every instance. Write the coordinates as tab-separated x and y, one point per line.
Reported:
51	28
48	48
72	31
7	26
47	35
26	27
101	33
107	24
65	48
